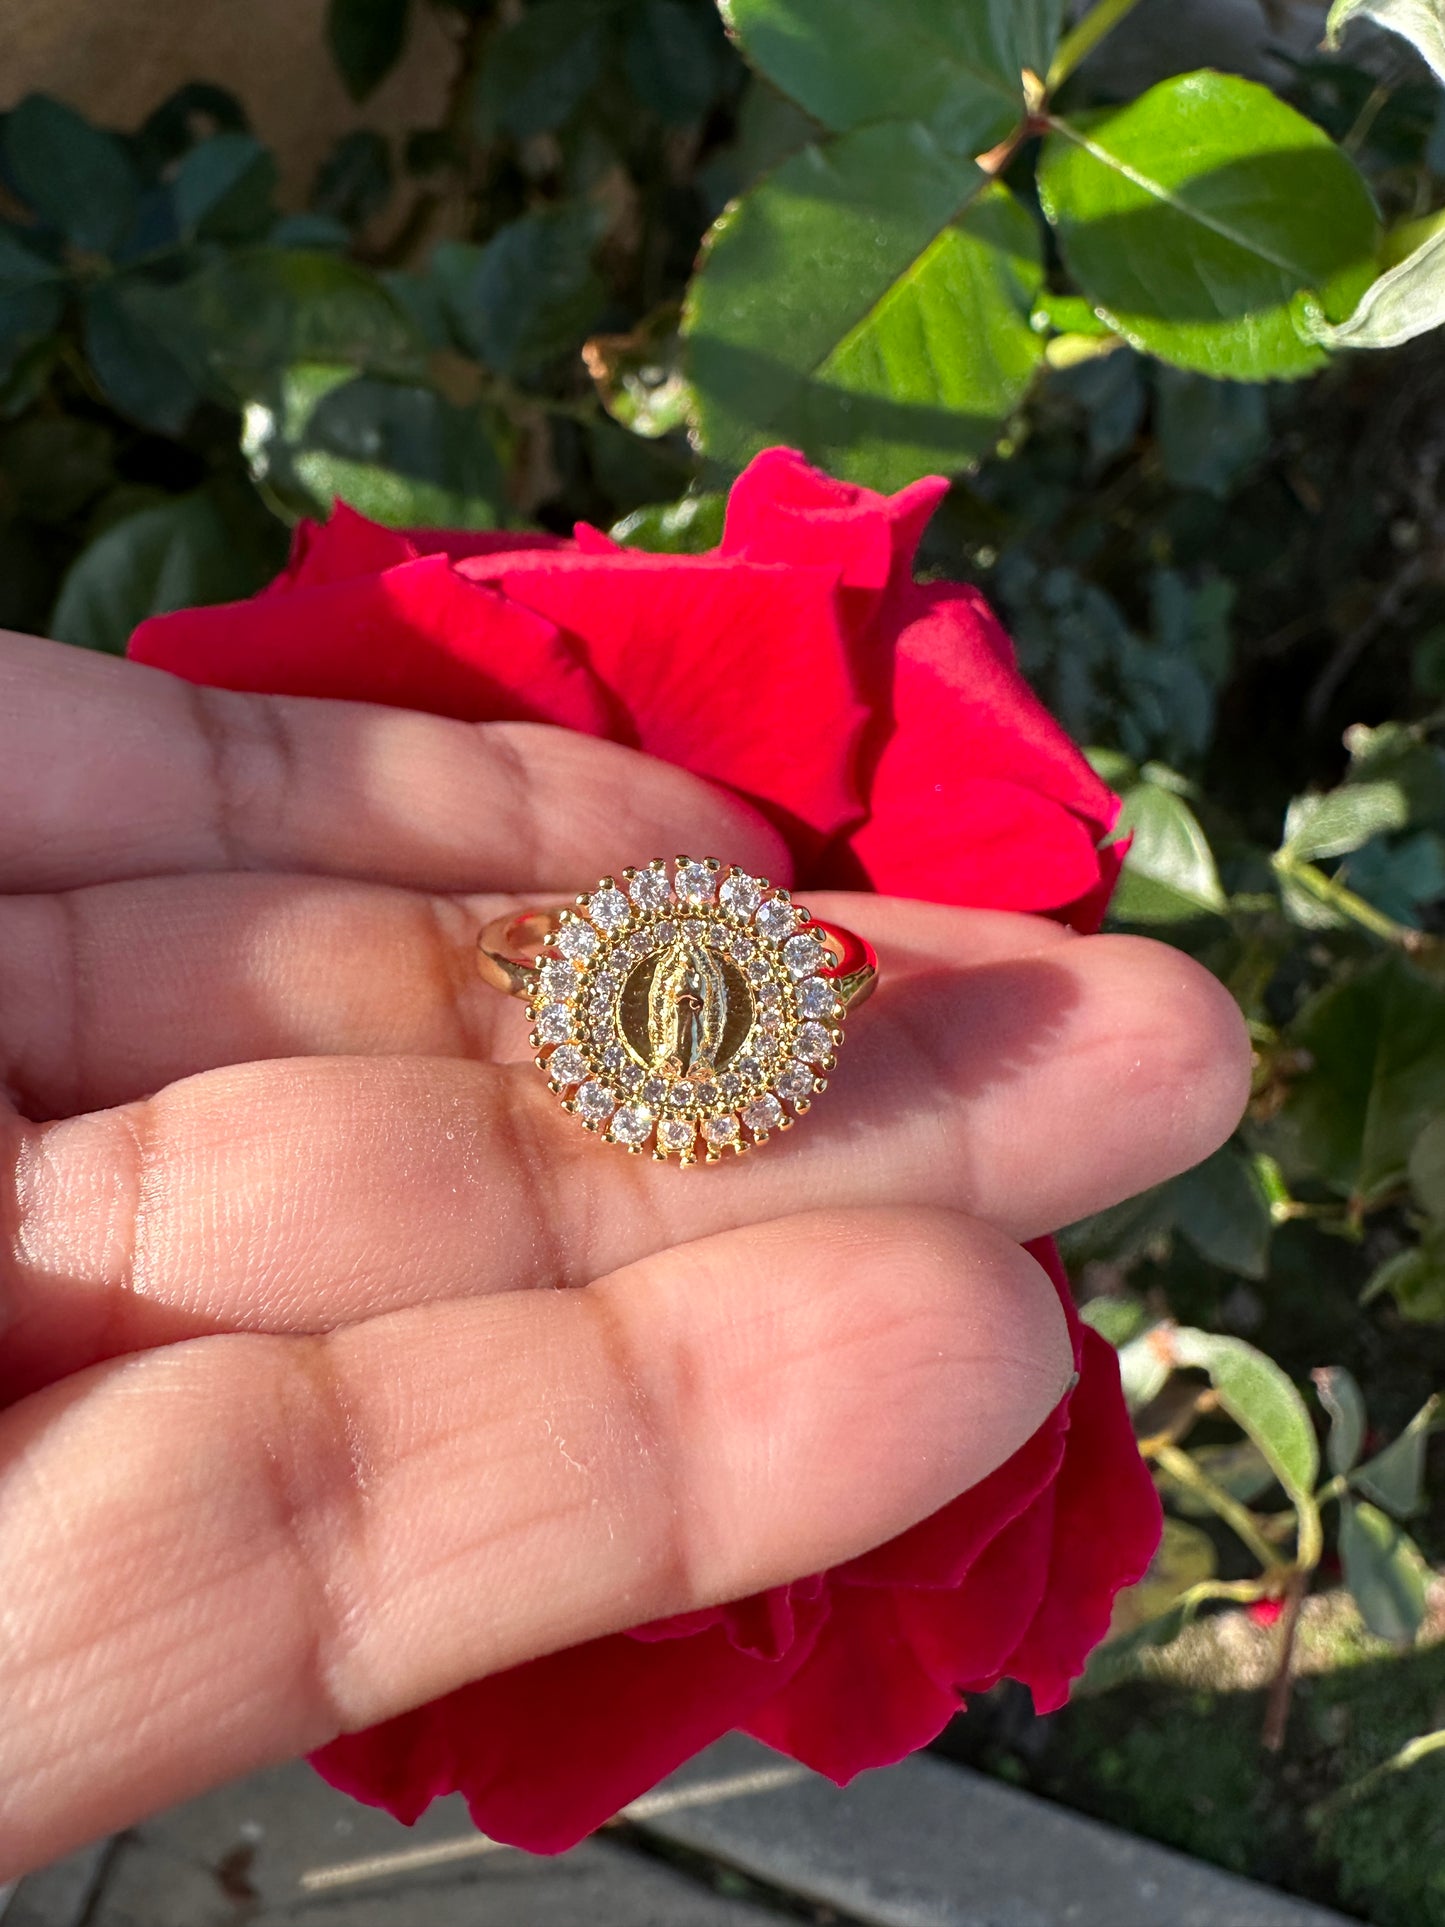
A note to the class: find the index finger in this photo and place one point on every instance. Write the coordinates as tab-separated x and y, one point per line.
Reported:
110	770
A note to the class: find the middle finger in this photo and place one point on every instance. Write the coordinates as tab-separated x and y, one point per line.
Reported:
306	1194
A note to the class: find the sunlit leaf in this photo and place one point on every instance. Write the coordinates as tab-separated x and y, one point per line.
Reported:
1414	1278
1262	1401
1421	22
1426	1167
1395	1477
1345	1404
1384	1571
1169	873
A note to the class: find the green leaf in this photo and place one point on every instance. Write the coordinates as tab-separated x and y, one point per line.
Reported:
687	527
1186	1557
194	549
1169	873
354	181
403	456
32	299
953	66
1375	1045
139	373
1426	1166
1384	1571
905	344
674	53
223	189
1222	1208
1407	300
1117	1319
1195	216
1263	1402
75	175
1345	1404
536	72
1418	21
1343	819
528	295
366	38
1237	1467
1209	433
1145	1366
1395	1478
1415	1279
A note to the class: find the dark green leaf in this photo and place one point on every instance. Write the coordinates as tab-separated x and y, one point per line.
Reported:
32	300
1415	1279
536	73
687	527
1384	1571
674	53
954	66
366	38
1426	1166
223	189
1222	1208
55	464
140	374
528	295
1395	1478
1169	873
1418	21
75	175
1210	433
1375	1044
1345	1404
190	550
1195	216
770	127
907	342
354	181
402	455
1262	1401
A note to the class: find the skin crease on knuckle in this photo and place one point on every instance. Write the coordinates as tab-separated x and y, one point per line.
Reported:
241	1544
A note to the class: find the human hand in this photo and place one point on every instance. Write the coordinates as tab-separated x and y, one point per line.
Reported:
288	1445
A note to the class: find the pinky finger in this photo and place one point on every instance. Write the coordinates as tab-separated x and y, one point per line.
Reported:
236	1547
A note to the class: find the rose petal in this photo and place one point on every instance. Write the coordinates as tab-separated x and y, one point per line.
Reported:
418	636
348	545
964	1636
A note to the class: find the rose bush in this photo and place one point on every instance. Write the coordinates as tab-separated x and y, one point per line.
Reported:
882	725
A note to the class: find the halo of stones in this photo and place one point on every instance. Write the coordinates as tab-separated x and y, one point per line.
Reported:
776	1070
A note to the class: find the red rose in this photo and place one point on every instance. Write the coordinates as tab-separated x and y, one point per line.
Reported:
883	726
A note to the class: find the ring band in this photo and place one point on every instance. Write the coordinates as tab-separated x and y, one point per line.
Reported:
689	1009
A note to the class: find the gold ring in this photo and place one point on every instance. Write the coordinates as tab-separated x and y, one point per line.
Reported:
689	1008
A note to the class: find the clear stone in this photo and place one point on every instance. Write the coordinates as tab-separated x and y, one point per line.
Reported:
654	1091
763	1114
742	948
682	1097
559	979
665	931
720	1130
554	1024
630	1077
677	1133
770	996
641	942
609	909
759	970
651	889
614	1058
632	1124
814	1042
741	893
601	1032
730	1084
577	940
803	955
595	1102
567	1064
816	997
599	1007
750	1068
776	920
695	883
706	1095
796	1083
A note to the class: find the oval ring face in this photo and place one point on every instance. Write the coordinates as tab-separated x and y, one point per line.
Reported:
688	1010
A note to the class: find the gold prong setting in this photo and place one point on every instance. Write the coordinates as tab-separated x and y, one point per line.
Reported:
702	921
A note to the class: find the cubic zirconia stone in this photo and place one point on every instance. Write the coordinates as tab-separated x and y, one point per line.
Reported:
630	1077
776	920
706	1095
759	969
641	941
654	1091
609	909
763	1114
695	883
750	1068
720	1130
682	1097
577	940
651	890
614	1058
555	1024
803	955
817	997
567	1064
731	1085
741	893
665	931
632	1124
559	979
595	1102
741	948
797	1083
677	1134
814	1043
770	996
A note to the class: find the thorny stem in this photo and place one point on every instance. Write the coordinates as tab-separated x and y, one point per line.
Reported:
1281	1690
1329	891
1076	46
1183	1470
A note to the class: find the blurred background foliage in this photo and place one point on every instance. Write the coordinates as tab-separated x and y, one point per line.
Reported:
1140	309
